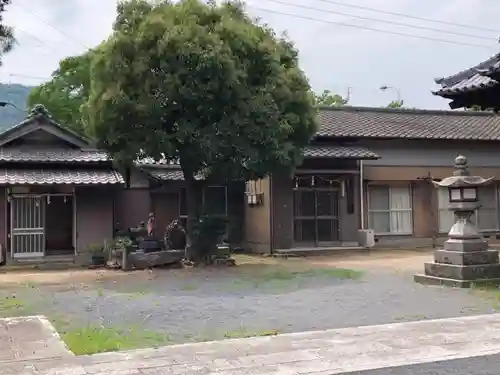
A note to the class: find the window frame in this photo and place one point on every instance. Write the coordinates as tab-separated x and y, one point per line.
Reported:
182	192
390	210
226	210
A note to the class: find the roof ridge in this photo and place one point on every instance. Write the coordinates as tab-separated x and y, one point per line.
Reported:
412	111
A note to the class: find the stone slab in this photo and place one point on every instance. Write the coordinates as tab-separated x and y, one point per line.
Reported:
29	339
329	352
143	260
466	258
433	280
466	245
458	272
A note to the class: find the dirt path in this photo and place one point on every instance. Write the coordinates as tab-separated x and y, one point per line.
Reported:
61	277
384	261
390	261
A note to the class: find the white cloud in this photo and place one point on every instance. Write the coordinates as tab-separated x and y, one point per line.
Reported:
334	57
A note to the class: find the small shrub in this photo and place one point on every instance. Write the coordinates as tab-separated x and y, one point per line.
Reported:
207	234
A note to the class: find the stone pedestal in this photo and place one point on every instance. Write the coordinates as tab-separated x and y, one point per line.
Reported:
464	261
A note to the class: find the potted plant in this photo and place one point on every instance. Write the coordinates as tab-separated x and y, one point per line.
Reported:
98	254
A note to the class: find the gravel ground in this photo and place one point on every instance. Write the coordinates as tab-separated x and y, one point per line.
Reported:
209	304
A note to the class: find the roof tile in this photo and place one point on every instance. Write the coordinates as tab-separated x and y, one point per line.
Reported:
365	122
56	155
469	72
475	82
56	177
481	76
339	152
167	173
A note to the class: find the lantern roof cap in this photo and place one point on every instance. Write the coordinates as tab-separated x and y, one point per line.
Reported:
461	176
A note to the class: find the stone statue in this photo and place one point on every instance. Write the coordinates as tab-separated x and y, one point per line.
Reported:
151	224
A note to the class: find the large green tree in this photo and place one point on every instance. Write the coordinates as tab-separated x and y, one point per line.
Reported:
66	93
396	104
6	33
328	98
202	83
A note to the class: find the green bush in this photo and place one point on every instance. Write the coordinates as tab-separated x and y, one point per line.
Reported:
207	234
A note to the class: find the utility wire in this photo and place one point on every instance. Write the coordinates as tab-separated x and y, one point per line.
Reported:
50	25
385	21
24	76
410	16
34	37
372	29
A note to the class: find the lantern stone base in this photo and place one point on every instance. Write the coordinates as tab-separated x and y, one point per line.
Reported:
432	280
469	258
461	268
466	245
459	272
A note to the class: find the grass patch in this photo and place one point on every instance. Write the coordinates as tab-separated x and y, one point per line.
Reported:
283	276
489	291
188	287
12	306
242	333
93	339
333	273
279	275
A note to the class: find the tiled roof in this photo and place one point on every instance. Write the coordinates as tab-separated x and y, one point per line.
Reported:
47	155
50	177
171	173
340	152
467	73
478	77
475	82
166	174
365	122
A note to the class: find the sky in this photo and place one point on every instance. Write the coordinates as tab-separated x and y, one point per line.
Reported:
343	47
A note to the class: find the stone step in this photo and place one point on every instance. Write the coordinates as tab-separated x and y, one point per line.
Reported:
466	258
460	272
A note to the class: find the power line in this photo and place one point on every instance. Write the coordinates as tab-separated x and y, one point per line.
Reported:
24	76
372	29
411	16
385	21
40	41
50	25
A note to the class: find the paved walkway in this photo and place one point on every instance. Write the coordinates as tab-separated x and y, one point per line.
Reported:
29	339
313	353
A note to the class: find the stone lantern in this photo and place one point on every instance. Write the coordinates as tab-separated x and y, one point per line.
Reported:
465	259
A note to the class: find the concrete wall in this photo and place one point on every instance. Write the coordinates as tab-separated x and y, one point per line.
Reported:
415	163
132	206
166	208
94	218
411	153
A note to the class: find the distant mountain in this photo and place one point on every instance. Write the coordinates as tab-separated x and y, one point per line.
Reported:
18	95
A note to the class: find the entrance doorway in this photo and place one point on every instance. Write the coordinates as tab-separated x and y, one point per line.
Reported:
27	226
59	225
316	215
41	225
